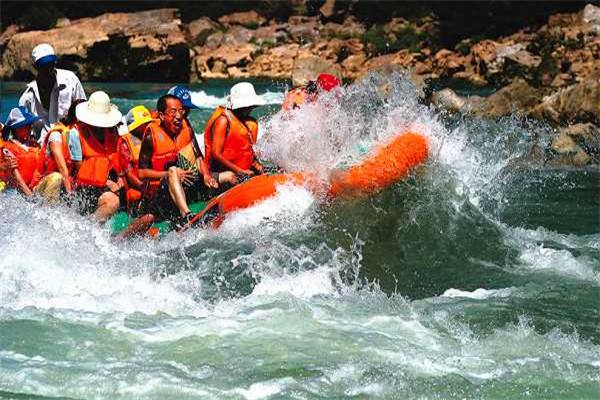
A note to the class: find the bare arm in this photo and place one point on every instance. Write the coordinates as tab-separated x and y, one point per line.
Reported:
20	183
57	154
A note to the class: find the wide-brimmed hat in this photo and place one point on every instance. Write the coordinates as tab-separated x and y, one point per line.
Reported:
137	116
243	95
183	94
98	111
43	54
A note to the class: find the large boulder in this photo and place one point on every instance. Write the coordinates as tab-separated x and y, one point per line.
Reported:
518	97
308	66
223	61
199	30
249	19
303	29
237	35
576	103
142	46
271	34
275	63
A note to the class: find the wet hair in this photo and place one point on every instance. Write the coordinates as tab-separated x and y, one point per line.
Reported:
70	118
161	104
311	87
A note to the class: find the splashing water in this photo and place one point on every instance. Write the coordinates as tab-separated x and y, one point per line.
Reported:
448	285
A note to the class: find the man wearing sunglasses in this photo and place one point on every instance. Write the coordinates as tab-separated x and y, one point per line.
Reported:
168	187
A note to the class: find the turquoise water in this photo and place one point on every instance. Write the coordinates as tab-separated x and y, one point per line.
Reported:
471	279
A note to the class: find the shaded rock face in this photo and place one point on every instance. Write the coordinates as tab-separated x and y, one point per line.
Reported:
110	47
576	103
250	19
199	30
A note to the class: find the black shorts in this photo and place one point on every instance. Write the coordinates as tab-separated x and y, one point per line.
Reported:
85	198
161	205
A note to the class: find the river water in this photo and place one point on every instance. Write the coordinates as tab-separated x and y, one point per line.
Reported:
475	278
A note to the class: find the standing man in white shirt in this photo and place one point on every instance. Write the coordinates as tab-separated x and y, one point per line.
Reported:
50	95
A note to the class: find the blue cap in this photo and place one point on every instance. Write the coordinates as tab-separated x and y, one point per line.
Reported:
18	117
43	54
183	94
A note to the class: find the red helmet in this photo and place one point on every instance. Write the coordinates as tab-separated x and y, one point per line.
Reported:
327	82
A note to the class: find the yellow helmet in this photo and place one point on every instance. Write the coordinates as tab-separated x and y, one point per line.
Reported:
137	116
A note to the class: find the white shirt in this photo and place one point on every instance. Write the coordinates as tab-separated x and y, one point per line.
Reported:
66	90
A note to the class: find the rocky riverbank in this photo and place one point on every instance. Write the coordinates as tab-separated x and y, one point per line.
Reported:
550	72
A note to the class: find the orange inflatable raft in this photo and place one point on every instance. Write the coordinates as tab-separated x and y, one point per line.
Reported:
389	163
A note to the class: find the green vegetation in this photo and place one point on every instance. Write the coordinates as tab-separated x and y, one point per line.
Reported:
252	25
377	41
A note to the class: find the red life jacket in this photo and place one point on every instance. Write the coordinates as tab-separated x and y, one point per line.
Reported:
47	162
98	158
27	160
239	139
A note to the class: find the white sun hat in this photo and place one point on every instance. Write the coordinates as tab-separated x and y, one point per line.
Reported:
98	111
243	95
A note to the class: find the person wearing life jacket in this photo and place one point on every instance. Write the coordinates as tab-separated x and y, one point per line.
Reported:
226	179
20	151
310	92
128	148
230	133
167	186
94	157
55	157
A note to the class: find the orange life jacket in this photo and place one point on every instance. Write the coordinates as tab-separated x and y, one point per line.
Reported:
47	162
27	160
98	158
134	146
164	149
239	139
295	98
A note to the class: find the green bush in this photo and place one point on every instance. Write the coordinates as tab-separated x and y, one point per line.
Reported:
251	25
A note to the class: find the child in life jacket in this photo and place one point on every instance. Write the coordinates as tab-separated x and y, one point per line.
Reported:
20	151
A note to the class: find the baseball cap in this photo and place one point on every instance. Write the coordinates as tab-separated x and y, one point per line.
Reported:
183	94
43	54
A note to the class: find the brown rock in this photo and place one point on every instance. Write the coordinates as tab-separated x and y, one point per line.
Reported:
275	63
564	144
351	28
147	45
271	34
307	67
303	29
448	62
518	97
7	34
353	65
585	135
328	8
576	103
250	19
214	40
62	22
199	30
236	36
447	99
